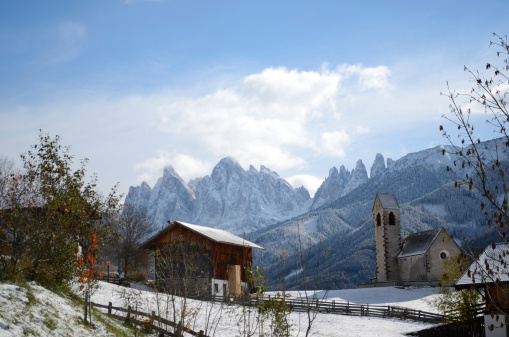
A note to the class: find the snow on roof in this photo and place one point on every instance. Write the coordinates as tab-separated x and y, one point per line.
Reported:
418	243
491	266
214	234
388	200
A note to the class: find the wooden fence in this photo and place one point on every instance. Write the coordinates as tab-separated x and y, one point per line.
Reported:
148	323
346	308
115	279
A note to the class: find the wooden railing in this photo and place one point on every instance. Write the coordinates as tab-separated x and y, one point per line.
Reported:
346	308
178	331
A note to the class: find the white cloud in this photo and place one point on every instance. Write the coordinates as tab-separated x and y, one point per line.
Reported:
268	115
376	78
366	77
335	143
311	183
186	166
361	130
278	117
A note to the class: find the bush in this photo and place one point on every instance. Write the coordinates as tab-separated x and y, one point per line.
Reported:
140	277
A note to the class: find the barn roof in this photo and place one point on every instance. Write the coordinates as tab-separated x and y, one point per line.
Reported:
418	243
491	266
214	234
388	200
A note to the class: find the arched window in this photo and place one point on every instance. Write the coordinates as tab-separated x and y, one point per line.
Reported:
378	220
392	219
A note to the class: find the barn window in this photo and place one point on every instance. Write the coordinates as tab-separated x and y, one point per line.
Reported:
378	220
392	219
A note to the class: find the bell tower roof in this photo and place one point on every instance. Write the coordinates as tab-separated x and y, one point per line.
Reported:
388	201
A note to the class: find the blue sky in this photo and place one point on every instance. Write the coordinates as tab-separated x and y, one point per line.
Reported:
297	86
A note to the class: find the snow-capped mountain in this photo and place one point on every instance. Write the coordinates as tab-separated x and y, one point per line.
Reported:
271	213
230	198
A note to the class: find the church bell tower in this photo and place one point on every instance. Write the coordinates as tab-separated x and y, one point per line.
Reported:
387	236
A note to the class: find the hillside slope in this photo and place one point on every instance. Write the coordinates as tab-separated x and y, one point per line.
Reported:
32	310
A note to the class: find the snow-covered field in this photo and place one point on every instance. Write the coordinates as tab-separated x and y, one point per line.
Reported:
54	315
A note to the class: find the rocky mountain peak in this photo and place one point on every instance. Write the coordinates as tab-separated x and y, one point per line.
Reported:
358	176
334	171
378	166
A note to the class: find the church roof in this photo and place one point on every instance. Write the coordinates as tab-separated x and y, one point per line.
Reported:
418	243
388	200
492	265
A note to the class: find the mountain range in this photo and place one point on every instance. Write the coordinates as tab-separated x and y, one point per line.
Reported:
267	210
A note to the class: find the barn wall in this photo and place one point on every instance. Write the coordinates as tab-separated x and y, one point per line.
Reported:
212	257
228	255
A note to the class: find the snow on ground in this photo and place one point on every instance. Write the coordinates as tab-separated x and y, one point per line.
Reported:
417	298
224	319
34	310
31	310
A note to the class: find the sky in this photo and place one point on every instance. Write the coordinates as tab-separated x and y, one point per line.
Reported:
296	86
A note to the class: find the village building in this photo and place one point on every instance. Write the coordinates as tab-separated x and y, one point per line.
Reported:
199	261
417	259
489	275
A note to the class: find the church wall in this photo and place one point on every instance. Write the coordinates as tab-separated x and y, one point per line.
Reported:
443	244
412	268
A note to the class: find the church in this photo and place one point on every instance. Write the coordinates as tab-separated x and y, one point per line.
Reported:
417	259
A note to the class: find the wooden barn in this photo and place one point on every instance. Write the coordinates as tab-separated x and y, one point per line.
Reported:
196	261
489	275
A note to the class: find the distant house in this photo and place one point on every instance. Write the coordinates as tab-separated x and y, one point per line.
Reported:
417	259
489	274
200	261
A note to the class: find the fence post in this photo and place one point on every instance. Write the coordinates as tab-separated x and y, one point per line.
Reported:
347	306
178	333
109	308
152	320
128	318
333	306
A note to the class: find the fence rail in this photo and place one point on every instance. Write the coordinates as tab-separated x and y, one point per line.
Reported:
179	329
346	308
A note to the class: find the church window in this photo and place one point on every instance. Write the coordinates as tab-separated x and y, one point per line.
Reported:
444	255
378	220
392	219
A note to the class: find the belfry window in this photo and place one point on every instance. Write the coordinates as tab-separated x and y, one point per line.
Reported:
392	219
378	220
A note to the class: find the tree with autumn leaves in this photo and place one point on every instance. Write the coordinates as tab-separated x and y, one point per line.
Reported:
48	213
482	165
